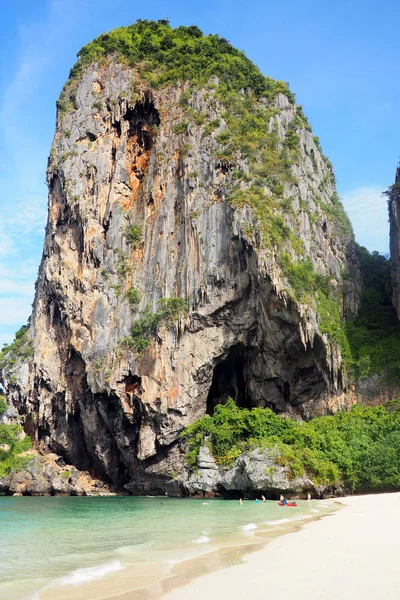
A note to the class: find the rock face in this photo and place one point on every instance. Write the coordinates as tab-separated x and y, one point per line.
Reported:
146	204
48	476
394	220
255	472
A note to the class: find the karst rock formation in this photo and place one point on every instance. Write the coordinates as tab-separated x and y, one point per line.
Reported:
195	249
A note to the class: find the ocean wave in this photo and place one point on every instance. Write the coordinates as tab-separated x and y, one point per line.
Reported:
277	522
203	539
81	576
249	527
91	573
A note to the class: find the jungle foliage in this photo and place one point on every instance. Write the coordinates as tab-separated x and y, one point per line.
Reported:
12	444
359	449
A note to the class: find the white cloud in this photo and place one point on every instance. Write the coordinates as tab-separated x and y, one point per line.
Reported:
12	287
367	209
29	216
13	312
25	218
39	41
6	338
6	243
26	270
23	152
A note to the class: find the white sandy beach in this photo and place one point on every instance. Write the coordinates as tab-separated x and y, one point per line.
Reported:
349	555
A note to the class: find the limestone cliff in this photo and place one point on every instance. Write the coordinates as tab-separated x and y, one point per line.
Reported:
394	220
195	248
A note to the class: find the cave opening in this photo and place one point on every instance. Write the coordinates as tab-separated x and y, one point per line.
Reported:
117	128
229	380
142	117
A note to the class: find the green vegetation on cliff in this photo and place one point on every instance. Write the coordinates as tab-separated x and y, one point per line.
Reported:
166	55
310	287
3	404
359	448
12	443
370	341
20	348
374	335
146	325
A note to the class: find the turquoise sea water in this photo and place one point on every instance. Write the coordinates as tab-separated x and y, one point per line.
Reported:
80	548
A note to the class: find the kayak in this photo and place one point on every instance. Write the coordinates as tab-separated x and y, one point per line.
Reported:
288	504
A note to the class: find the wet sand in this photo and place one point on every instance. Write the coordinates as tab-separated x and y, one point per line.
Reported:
350	554
227	556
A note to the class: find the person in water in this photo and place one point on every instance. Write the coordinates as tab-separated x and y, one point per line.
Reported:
263	498
240	501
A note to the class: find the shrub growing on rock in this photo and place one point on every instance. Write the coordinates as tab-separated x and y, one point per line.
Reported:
359	448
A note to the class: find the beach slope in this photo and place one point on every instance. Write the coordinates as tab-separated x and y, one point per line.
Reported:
350	554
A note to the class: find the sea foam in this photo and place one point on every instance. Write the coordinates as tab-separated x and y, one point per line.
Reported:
277	522
91	573
203	539
249	527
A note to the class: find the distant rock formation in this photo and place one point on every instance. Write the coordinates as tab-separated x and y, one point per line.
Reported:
49	476
394	220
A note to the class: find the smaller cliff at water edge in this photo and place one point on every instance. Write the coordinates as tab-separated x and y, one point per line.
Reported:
196	250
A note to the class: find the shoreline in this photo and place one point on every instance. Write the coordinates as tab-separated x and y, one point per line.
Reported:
156	544
185	575
351	554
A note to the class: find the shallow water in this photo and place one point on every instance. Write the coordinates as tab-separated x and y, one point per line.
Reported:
65	547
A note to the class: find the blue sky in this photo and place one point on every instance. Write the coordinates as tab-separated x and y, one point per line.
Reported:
340	58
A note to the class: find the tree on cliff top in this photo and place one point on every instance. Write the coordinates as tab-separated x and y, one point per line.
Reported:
166	55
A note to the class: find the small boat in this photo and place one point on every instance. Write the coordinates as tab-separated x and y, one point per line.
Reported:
288	504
